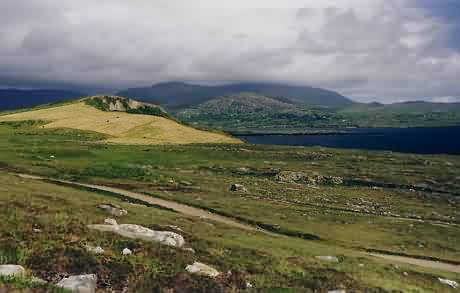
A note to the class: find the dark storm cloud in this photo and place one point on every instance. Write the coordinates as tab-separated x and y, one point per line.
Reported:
388	50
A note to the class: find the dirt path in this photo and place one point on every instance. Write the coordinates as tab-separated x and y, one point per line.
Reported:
180	208
196	212
419	262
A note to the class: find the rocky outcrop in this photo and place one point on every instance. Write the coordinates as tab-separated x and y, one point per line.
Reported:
303	178
12	271
112	209
450	283
202	269
79	284
139	232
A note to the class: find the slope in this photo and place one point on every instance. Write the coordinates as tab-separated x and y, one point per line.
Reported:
119	126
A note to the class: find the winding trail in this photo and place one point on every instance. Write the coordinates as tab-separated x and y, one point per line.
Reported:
197	212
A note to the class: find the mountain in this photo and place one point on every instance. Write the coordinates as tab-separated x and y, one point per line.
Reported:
119	120
17	98
178	95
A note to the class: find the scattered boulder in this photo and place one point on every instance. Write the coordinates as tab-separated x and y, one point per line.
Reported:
328	258
95	250
127	251
450	283
238	188
303	178
202	269
112	209
12	271
79	284
139	232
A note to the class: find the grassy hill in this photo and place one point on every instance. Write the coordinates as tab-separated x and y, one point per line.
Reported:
353	201
178	95
121	120
17	98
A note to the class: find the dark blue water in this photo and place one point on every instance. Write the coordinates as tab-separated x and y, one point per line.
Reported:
439	140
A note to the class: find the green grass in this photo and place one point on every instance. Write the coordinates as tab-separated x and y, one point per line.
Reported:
201	175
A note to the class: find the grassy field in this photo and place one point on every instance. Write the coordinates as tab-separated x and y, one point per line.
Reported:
120	127
395	203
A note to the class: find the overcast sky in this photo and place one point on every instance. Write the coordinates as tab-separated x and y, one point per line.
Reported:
384	50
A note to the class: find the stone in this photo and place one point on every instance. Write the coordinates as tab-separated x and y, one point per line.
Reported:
112	209
139	232
111	222
249	285
337	291
189	249
328	258
202	269
12	271
79	284
95	250
238	188
127	251
450	283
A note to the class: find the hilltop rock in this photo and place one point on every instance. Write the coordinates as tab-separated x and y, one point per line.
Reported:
202	269
238	188
139	232
80	283
12	271
112	209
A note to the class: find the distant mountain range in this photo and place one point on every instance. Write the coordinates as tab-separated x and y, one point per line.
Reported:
18	98
178	95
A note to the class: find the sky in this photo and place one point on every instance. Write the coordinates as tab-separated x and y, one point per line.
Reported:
369	50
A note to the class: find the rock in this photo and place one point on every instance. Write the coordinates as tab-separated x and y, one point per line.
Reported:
249	285
12	271
189	249
328	258
450	283
79	284
405	274
139	232
127	251
111	222
202	269
95	250
36	230
238	188
37	280
337	291
303	178
113	209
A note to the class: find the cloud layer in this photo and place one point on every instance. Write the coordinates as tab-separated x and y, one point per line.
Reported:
385	50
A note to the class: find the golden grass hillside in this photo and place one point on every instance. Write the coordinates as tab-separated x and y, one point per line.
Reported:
121	127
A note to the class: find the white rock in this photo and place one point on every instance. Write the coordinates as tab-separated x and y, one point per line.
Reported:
113	209
248	285
327	258
139	232
79	284
451	283
96	250
127	251
111	222
12	271
337	291
202	269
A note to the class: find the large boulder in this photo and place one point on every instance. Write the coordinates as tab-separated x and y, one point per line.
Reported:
238	188
12	271
79	284
139	232
202	269
112	209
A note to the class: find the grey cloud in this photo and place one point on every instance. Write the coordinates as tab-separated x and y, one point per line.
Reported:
380	49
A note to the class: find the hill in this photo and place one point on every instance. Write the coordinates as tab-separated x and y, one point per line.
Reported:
17	98
178	95
121	120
